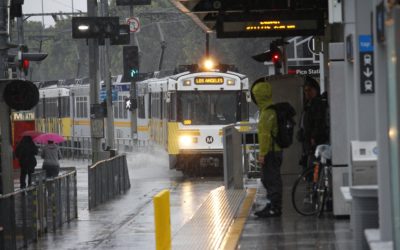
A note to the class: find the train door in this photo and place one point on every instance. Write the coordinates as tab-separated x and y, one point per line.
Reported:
20	124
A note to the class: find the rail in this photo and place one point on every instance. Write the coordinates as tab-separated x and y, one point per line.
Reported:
108	179
240	143
46	206
80	147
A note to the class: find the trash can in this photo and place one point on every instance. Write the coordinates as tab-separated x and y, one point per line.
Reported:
364	213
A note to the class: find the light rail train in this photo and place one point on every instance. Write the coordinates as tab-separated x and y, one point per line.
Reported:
184	113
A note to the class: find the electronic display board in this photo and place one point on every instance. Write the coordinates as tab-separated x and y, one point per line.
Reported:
271	24
208	80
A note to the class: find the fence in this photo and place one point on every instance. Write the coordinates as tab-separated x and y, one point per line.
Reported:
80	147
107	179
240	154
28	213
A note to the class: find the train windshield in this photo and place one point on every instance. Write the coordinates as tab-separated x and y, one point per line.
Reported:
209	107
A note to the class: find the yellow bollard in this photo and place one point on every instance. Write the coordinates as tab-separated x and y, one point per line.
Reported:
162	220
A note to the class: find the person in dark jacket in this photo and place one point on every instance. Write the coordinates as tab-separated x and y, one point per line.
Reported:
25	152
51	154
313	125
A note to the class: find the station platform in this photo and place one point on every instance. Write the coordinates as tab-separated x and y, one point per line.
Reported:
216	225
203	216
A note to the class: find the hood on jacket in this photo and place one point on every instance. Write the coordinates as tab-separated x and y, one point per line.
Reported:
262	94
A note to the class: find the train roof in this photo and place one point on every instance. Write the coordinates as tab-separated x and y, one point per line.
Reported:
54	91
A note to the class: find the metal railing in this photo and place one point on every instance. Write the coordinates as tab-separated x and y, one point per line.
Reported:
80	147
76	148
28	213
240	143
108	179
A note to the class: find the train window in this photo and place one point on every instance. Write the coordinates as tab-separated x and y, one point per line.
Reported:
172	107
39	109
120	111
52	107
81	103
209	107
155	103
141	110
149	106
65	106
161	105
242	107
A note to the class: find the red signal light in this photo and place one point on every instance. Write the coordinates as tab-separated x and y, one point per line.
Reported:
25	64
275	58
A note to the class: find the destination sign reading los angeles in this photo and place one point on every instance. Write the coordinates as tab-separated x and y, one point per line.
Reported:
208	80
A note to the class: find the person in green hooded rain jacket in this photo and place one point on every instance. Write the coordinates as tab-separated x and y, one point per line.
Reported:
270	155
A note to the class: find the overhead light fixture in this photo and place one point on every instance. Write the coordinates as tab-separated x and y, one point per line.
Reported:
83	27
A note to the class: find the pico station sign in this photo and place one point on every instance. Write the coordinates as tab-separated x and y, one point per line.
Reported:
311	70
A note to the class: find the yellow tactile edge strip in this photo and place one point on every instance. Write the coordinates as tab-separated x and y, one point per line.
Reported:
232	237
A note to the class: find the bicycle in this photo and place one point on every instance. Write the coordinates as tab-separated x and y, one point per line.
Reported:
312	189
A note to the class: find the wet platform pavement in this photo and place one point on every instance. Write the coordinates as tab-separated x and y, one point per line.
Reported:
127	222
293	231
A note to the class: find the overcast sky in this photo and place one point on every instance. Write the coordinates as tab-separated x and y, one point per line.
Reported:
35	6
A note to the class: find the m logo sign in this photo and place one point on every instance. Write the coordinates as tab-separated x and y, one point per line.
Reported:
209	139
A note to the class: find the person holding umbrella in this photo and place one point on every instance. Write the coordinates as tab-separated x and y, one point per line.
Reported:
51	154
25	152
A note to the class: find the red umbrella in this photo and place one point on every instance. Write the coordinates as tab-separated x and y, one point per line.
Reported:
45	138
31	133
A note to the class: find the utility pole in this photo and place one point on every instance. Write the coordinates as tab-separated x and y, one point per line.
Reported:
93	80
207	44
163	46
20	30
6	149
107	81
133	41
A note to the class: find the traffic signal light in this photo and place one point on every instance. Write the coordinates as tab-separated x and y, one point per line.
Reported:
274	55
24	58
276	58
131	63
95	27
130	104
16	8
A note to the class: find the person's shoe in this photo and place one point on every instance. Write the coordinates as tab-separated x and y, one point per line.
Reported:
266	208
269	213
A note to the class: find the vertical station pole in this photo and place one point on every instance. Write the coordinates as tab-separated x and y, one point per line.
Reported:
107	81
207	44
133	41
6	149
20	27
93	80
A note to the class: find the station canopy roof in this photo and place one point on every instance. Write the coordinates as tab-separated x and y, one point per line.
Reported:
256	18
203	15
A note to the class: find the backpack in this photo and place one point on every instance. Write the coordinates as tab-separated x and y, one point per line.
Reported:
284	114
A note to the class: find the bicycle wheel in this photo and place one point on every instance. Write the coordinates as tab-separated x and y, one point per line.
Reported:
305	194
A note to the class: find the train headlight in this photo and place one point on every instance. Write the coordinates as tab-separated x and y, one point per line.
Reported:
185	140
209	64
187	83
231	82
